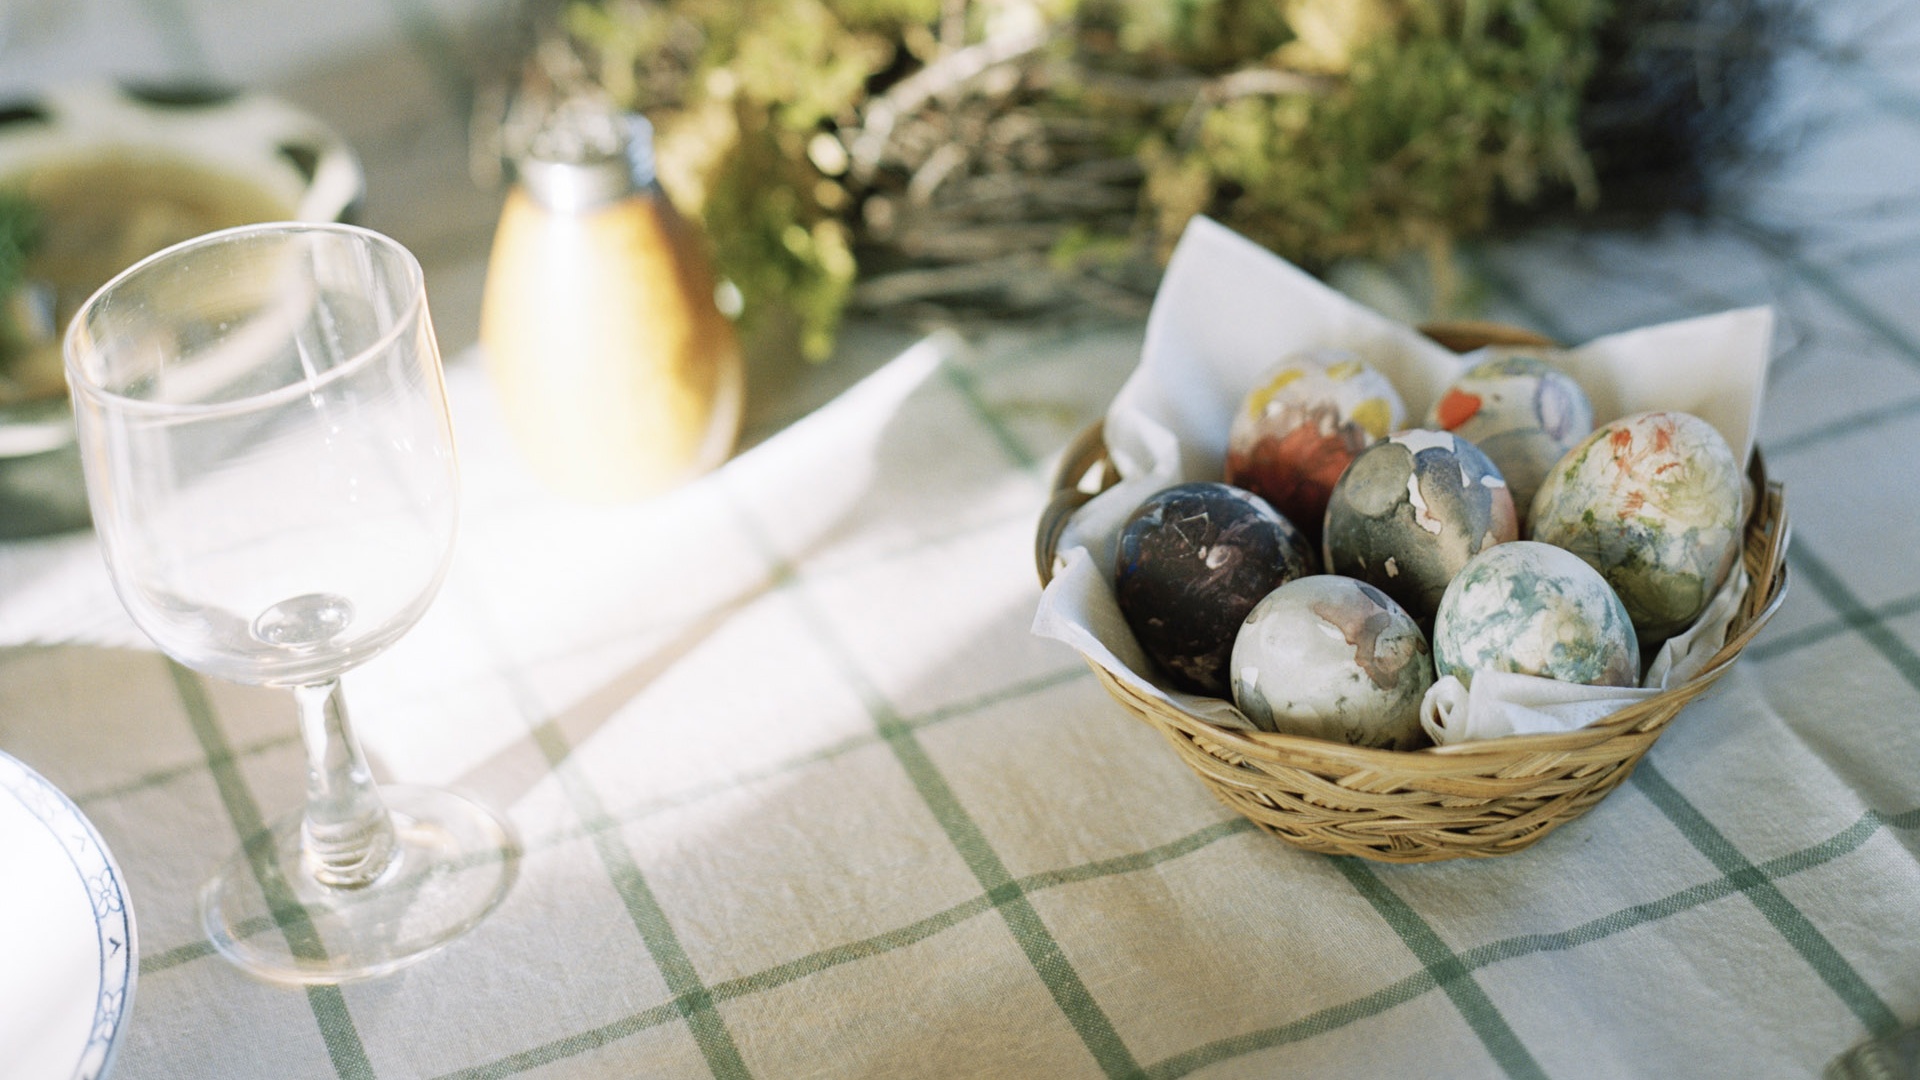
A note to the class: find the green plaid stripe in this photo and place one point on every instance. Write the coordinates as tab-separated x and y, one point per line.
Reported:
1828	284
1853	424
1446	970
562	1049
1859	619
1002	891
1447	965
1854	613
1788	919
342	1040
1835	847
983	411
1540	316
1043	952
690	996
162	777
691	999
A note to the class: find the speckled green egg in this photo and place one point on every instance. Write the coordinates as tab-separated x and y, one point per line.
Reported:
1534	609
1300	426
1521	411
1653	502
1411	510
1333	658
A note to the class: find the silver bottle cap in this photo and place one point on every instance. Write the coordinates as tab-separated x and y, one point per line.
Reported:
586	156
575	187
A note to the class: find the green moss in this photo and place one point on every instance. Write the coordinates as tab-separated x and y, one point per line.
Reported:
1456	106
19	235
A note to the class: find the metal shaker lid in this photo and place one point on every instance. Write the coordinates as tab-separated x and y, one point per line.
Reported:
586	154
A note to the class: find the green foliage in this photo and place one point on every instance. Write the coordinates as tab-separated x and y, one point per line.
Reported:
735	89
1382	126
774	241
1191	34
1457	106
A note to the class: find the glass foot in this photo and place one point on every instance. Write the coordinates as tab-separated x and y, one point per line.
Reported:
454	861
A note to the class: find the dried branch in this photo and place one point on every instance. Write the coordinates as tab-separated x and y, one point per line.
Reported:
1245	83
950	72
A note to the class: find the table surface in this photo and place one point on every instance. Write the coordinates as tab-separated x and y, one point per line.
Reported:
802	795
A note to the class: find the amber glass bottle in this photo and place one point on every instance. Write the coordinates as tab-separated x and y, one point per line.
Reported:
618	376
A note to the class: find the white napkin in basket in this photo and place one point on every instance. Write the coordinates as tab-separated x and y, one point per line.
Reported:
1228	310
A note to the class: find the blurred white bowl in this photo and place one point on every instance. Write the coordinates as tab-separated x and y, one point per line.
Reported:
117	173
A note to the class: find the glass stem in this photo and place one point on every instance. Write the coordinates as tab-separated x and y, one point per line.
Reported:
346	836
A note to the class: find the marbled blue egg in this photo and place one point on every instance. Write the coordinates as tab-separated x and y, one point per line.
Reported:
1535	609
1192	561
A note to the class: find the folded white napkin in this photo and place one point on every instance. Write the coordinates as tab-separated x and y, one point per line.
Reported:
1227	310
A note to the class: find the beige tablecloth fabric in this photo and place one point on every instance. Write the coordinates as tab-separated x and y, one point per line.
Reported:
803	797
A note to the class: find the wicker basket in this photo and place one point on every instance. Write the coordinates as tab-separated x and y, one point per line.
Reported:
1467	799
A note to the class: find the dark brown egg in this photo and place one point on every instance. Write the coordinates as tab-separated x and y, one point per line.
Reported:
1193	561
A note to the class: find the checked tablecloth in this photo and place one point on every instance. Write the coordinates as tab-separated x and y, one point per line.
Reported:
803	797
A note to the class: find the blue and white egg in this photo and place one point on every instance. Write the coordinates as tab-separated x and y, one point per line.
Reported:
1535	609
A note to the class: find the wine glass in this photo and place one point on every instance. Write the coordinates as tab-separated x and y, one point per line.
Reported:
270	463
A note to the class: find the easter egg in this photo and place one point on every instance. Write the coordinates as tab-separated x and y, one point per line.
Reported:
1333	658
1411	510
1521	412
1652	501
1300	426
1534	609
1192	561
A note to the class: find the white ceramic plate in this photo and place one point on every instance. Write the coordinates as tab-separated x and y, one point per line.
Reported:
67	947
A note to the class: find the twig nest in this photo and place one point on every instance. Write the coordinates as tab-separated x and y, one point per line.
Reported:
1302	424
1193	560
1411	510
1332	658
1534	609
1653	502
1521	411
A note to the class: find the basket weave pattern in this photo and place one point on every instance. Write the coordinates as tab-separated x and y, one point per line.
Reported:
1467	799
